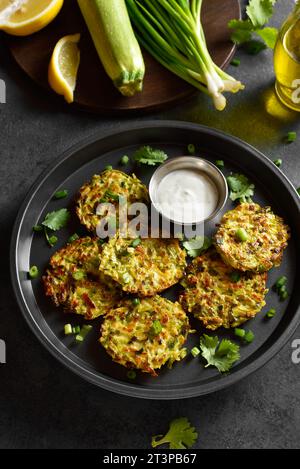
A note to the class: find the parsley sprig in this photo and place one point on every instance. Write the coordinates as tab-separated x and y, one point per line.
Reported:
241	188
181	435
53	221
149	156
222	354
259	13
196	246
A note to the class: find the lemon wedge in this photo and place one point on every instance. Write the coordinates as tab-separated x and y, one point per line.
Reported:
64	65
23	17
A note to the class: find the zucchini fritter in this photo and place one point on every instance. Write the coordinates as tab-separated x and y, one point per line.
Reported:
267	238
74	281
149	268
218	296
145	336
108	187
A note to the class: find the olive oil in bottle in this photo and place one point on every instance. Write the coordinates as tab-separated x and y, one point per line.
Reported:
287	61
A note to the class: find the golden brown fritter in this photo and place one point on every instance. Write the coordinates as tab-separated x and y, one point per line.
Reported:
218	295
144	269
108	187
267	238
74	281
147	335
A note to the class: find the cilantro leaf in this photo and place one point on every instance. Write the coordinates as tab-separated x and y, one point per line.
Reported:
197	245
150	156
241	188
181	435
269	36
222	354
259	12
56	220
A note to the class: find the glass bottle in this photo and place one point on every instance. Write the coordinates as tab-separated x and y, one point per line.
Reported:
287	61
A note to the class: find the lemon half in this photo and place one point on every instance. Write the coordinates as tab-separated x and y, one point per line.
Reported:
23	17
64	65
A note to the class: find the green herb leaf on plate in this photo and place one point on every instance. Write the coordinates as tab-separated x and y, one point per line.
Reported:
56	220
241	188
150	156
222	354
197	245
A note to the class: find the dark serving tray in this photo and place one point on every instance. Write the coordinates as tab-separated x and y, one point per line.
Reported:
89	360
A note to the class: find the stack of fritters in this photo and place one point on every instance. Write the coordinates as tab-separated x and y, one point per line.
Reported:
92	279
226	286
74	281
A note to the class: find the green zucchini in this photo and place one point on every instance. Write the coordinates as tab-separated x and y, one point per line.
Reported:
109	25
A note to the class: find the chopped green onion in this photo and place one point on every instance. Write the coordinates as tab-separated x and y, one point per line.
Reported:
278	162
271	313
155	329
235	62
108	167
136	243
242	235
76	329
126	278
125	160
131	374
37	228
83	333
282	290
191	149
291	137
281	282
284	295
53	240
235	277
298	190
249	337
78	275
33	272
73	238
68	329
220	164
239	332
61	194
136	301
195	352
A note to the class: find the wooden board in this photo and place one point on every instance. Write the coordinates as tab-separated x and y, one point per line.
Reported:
95	92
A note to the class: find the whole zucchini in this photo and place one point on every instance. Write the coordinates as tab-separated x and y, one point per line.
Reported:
109	25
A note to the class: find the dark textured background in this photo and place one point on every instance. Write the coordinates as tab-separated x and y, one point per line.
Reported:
42	405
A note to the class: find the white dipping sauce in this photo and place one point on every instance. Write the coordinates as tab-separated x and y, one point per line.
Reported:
187	196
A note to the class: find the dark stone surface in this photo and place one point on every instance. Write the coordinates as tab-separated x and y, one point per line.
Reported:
42	405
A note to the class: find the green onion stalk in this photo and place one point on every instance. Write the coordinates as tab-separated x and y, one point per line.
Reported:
172	32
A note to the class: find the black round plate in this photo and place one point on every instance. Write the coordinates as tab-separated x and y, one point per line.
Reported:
188	378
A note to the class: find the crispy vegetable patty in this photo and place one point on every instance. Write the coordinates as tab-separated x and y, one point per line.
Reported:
218	295
146	269
266	233
107	187
145	336
74	281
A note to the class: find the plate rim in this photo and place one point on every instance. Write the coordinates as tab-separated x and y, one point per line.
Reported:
106	382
